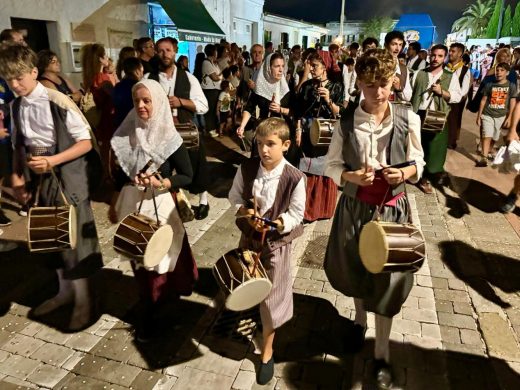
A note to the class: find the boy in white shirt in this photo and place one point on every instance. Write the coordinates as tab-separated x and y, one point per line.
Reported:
279	191
51	134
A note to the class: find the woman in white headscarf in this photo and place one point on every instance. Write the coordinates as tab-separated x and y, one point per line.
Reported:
148	135
270	96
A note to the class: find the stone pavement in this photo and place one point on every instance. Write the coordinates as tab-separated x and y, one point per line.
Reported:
458	329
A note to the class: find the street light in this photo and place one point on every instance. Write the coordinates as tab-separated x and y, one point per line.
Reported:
341	20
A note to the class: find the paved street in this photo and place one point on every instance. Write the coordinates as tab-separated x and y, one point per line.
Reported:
459	329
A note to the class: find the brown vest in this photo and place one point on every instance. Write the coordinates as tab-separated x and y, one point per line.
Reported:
288	181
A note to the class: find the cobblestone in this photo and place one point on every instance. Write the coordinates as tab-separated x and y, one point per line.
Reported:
458	320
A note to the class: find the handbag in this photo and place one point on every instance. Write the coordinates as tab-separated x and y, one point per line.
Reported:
189	133
184	206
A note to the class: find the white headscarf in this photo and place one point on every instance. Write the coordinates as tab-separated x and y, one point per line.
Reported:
137	141
267	85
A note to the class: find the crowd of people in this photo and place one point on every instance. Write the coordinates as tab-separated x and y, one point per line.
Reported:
363	119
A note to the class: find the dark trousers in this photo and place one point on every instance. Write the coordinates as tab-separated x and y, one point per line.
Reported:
211	116
455	122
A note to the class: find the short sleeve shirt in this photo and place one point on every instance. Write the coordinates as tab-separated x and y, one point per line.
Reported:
498	95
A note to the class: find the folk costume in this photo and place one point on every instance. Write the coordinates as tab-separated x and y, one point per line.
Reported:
46	122
435	145
395	140
135	143
280	193
321	190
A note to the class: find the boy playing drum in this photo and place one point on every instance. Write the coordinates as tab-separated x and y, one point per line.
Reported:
371	137
278	189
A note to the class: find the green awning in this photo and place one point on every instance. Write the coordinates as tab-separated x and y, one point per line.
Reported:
191	18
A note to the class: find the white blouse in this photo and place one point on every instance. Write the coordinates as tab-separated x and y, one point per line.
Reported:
196	95
37	125
264	188
208	68
374	140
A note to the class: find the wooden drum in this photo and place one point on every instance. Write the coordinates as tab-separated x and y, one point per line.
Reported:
434	121
52	229
389	247
244	284
321	131
140	238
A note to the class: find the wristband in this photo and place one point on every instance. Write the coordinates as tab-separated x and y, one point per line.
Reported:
402	176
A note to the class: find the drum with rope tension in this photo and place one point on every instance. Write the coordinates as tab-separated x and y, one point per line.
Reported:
321	132
391	247
243	279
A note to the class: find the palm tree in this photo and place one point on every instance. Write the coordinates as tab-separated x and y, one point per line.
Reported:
475	18
377	25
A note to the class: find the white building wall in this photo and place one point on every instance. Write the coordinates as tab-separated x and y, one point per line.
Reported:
294	28
246	22
113	23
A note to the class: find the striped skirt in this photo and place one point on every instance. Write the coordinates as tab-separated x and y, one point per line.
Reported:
277	308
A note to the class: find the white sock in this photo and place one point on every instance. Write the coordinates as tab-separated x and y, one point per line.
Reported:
383	328
203	198
361	314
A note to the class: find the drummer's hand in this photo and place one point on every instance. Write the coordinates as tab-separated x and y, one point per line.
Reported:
275	107
251	84
393	176
396	83
41	164
324	93
363	178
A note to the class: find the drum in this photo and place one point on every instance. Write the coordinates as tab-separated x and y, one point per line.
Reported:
389	247
434	121
244	286
321	131
189	134
140	238
52	229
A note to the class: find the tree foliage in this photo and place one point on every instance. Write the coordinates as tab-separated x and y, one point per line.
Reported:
492	28
506	23
375	26
515	24
475	18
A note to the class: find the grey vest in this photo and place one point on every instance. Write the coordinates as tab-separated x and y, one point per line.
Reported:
74	174
396	150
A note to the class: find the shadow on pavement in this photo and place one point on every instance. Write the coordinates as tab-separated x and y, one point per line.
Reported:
309	352
482	270
472	192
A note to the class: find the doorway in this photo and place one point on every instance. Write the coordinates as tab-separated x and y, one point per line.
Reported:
34	31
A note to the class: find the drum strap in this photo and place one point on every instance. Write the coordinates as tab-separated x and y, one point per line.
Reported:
379	210
63	197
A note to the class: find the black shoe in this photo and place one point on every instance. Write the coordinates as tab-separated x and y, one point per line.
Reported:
509	204
383	374
265	372
356	339
202	211
4	221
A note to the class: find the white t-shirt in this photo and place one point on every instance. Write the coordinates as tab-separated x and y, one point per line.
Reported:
209	68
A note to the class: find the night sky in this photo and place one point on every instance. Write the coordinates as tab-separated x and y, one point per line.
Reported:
442	12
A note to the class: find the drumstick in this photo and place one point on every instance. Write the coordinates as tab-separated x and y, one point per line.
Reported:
366	159
272	101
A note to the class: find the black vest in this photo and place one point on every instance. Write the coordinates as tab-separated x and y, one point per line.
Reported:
182	90
396	151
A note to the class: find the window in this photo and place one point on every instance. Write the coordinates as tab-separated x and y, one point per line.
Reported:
234	26
267	36
248	28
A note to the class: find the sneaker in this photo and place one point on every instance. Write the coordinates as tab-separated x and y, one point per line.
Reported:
509	204
24	211
4	220
213	133
483	162
383	374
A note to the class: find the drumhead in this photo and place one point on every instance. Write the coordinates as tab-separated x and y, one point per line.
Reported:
315	132
249	294
158	246
73	227
373	247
